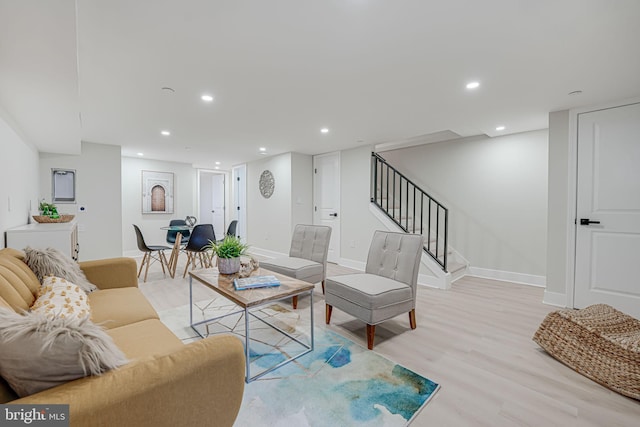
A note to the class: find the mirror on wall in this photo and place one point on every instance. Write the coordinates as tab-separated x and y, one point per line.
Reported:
63	182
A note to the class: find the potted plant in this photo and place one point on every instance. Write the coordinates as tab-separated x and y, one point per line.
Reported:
228	252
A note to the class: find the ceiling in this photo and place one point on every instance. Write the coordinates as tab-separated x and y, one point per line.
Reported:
371	71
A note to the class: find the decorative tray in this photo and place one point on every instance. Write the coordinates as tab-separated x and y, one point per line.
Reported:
43	219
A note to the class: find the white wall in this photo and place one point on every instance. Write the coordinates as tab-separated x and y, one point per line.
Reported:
301	189
185	200
19	177
98	190
357	224
558	196
269	221
496	190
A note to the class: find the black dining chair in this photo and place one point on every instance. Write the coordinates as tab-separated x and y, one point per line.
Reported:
231	230
151	253
171	234
201	236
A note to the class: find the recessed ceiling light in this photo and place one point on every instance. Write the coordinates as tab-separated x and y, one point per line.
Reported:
165	132
324	130
473	85
217	163
500	128
217	167
262	149
207	98
140	154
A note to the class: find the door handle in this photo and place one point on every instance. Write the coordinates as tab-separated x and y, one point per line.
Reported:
587	221
334	215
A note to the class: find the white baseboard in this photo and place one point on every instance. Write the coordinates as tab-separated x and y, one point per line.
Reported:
508	276
554	298
132	254
430	281
350	263
266	253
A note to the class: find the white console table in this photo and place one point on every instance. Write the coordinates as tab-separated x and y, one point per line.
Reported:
62	236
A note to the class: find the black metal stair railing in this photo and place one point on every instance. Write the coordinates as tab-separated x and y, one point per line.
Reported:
410	207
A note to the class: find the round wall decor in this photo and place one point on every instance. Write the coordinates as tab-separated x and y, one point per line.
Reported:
267	184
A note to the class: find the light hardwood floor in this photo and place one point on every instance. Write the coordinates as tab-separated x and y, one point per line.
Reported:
475	341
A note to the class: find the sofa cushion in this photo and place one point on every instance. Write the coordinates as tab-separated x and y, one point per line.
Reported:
60	298
112	308
298	268
52	262
38	352
18	284
369	290
146	338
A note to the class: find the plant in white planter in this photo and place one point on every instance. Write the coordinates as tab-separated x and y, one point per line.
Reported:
228	251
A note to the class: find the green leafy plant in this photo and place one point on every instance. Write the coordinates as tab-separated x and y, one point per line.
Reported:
48	209
44	206
230	247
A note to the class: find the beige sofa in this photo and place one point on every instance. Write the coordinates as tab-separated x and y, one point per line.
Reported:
165	383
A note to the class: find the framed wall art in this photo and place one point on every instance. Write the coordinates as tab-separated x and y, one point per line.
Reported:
157	192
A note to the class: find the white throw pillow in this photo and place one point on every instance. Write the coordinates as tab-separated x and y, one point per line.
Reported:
60	298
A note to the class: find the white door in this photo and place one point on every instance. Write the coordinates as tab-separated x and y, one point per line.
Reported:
211	200
326	198
608	209
240	200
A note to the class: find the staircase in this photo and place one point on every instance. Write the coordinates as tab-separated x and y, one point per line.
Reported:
403	206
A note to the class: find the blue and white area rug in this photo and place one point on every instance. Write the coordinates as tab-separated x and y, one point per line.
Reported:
340	383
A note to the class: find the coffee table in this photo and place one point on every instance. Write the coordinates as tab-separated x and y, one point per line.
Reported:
252	299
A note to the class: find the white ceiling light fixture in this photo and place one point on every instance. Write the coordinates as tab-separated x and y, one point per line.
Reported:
262	149
207	98
217	163
499	128
324	130
473	85
140	154
165	132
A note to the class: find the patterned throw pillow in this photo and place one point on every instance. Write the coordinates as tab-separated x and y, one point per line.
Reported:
60	298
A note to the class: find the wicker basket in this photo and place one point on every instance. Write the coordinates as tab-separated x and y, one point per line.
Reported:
43	219
598	342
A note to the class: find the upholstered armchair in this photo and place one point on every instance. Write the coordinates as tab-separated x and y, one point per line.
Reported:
388	286
307	258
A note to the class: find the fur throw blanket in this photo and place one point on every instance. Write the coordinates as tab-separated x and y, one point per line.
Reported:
52	262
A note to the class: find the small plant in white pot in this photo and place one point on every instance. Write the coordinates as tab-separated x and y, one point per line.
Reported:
228	251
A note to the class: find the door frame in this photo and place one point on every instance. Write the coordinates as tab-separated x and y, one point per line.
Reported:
239	206
226	194
572	190
338	154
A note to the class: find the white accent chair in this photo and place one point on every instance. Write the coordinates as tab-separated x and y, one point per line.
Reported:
388	286
307	258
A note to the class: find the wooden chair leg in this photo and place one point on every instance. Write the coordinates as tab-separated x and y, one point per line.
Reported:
163	261
412	318
146	271
186	267
294	302
323	287
371	332
144	257
327	313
